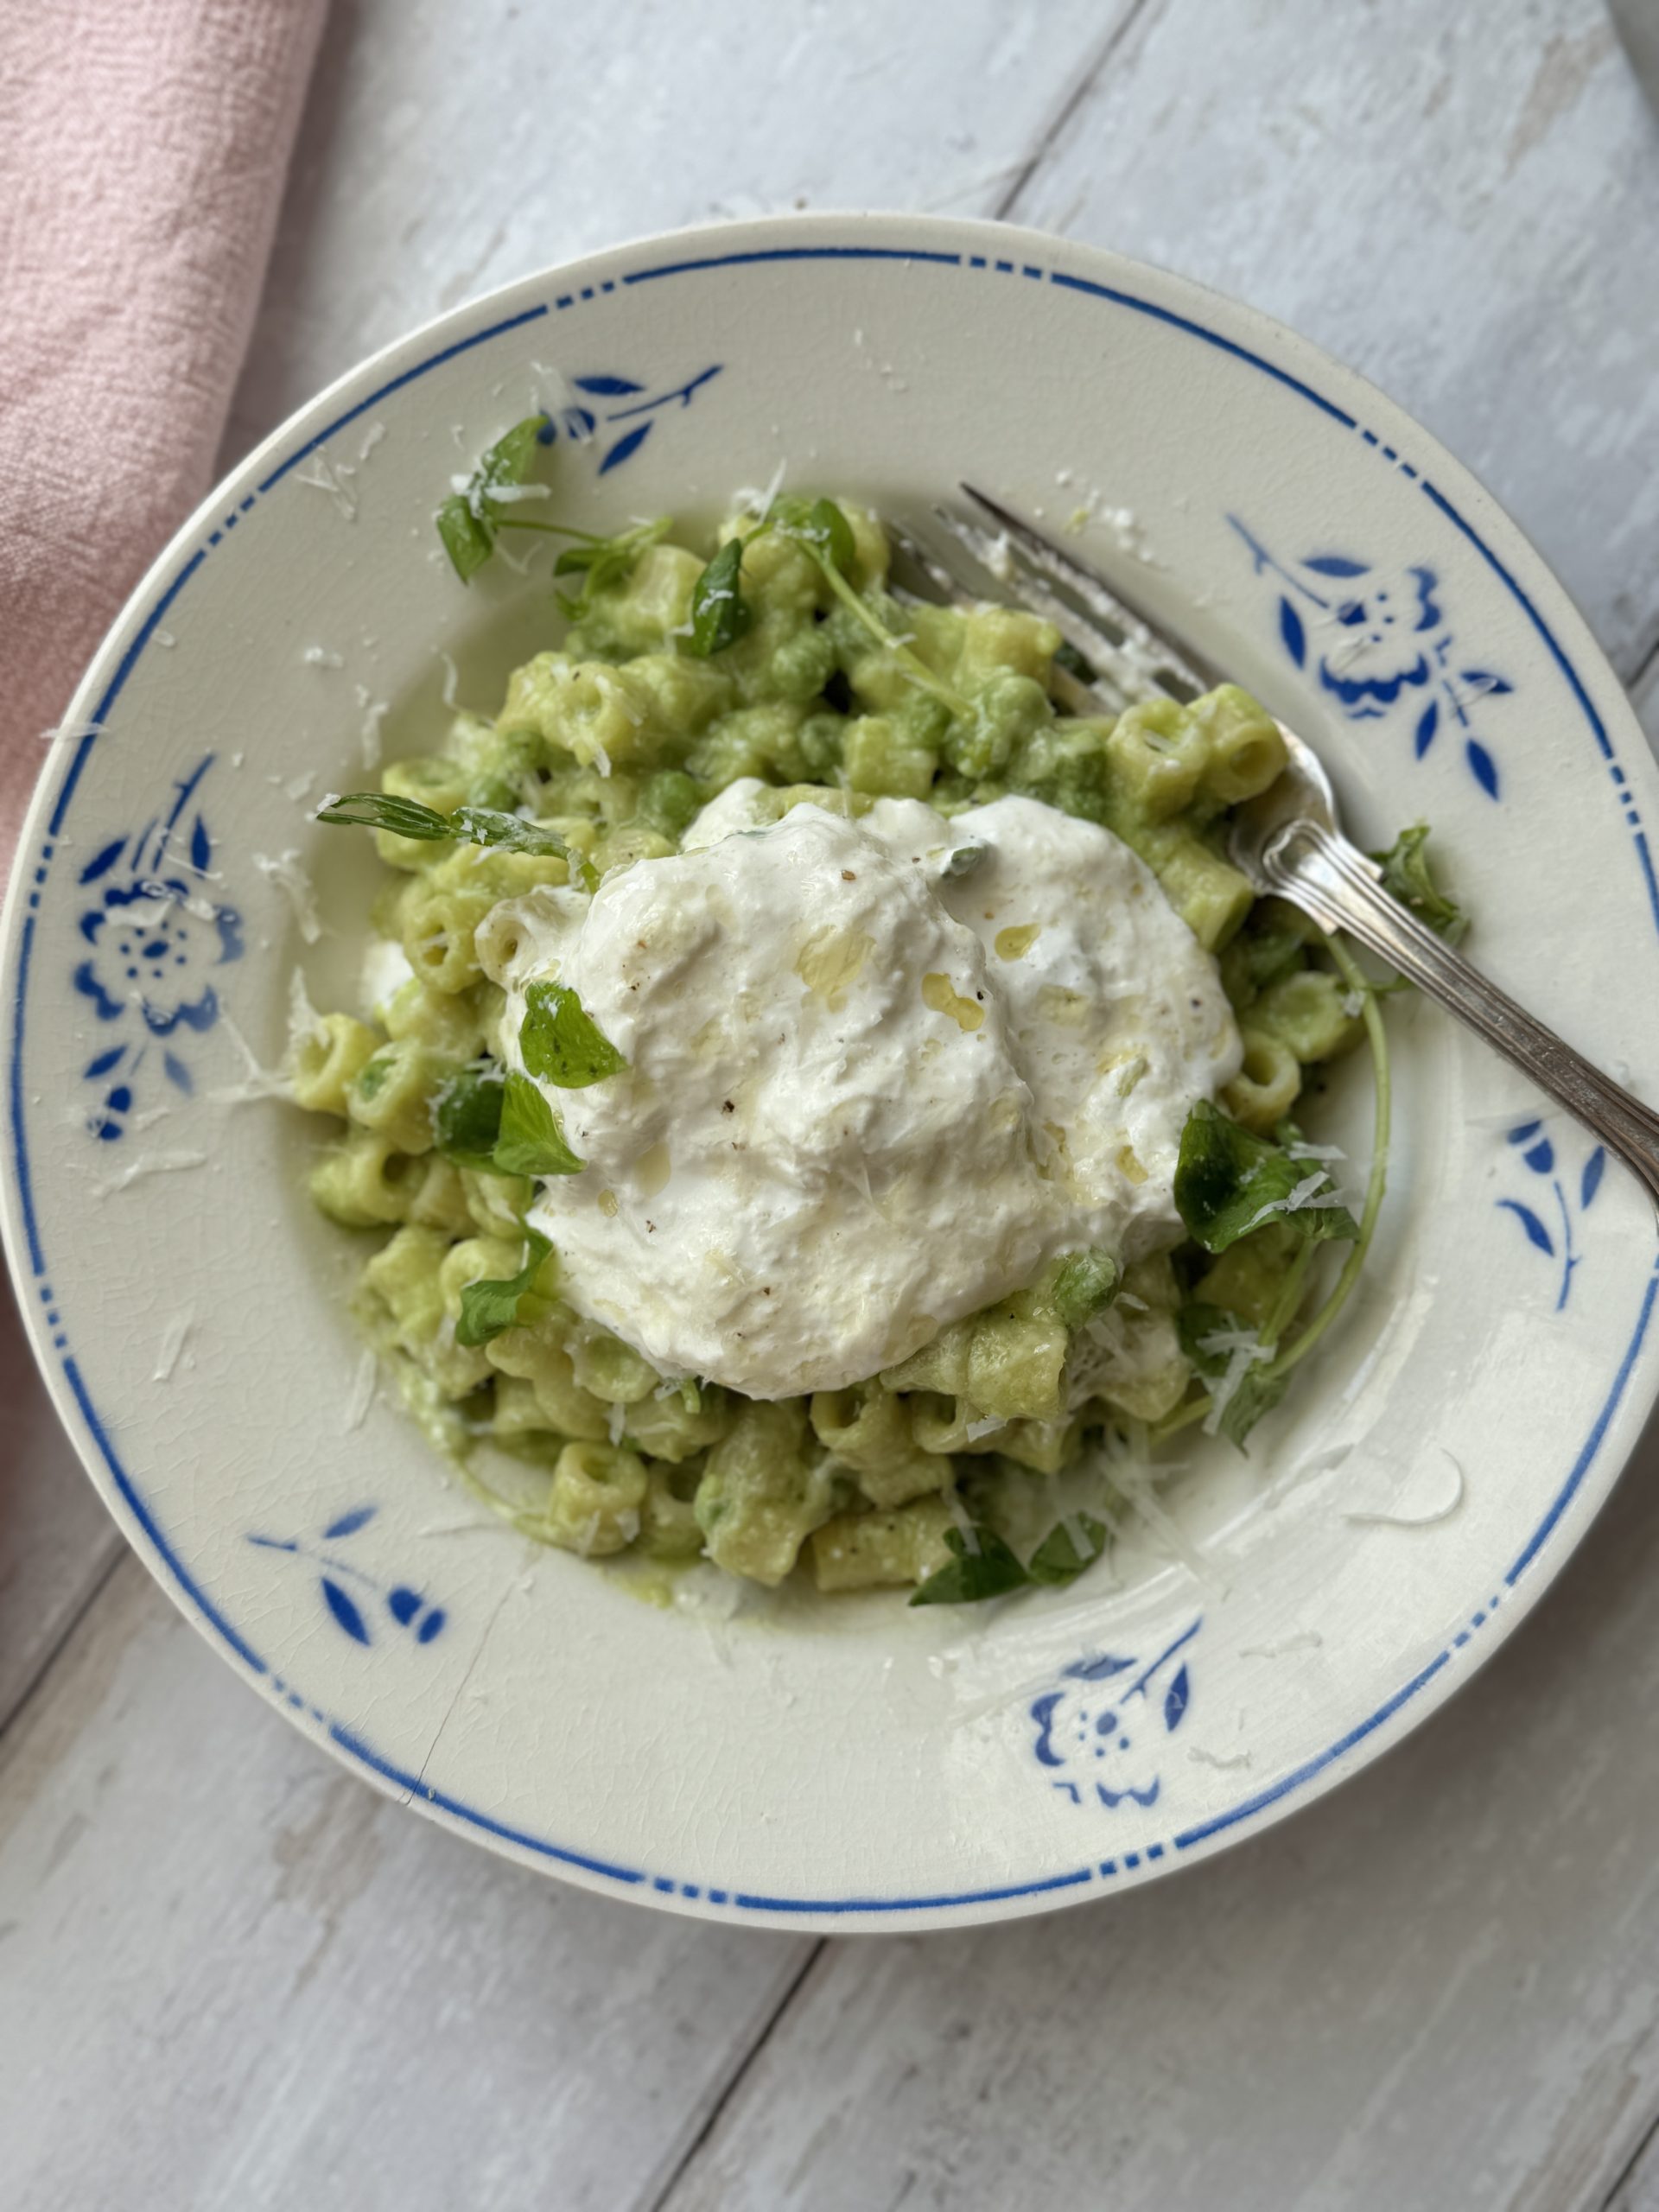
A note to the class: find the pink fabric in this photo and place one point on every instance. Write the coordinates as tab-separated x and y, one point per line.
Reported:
143	145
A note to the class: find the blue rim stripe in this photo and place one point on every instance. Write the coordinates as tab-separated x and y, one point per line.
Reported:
461	345
1592	1442
346	1739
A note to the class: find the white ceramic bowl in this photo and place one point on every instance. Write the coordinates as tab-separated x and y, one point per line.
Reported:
794	1762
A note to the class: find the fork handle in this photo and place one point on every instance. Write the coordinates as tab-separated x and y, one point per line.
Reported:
1334	882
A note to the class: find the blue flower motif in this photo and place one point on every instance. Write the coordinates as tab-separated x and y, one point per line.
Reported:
157	938
153	942
1376	641
583	425
1103	1733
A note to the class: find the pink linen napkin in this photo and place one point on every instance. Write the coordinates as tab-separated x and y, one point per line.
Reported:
143	145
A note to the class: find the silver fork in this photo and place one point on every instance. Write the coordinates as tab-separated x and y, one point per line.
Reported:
1288	842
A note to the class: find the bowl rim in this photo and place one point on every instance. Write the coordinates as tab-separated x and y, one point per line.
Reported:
1207	314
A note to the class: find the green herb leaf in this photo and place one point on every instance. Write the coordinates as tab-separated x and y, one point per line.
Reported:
1060	1557
1229	1182
990	1570
530	1142
1086	1284
562	1042
720	614
466	1116
964	861
482	825
1067	657
1407	877
1259	1389
468	520
468	825
489	1306
405	817
818	525
466	540
602	561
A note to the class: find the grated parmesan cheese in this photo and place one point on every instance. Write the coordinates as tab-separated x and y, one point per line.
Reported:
324	476
288	872
320	657
152	1163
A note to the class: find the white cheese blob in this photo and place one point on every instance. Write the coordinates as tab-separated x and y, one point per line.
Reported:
864	1096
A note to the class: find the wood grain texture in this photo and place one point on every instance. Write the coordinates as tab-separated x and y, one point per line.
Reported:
250	1980
1443	197
57	1543
1437	1987
449	148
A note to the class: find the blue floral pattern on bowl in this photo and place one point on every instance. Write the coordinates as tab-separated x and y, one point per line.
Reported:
1390	654
156	937
584	425
405	1608
1553	1238
1098	1738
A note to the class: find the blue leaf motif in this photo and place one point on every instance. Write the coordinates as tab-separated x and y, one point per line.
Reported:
104	1062
1291	630
178	1074
1336	564
202	848
1483	680
349	1523
1176	1698
1536	1233
624	446
1594	1168
1428	723
429	1627
606	387
1482	766
1542	1157
1098	1669
344	1610
546	431
103	861
1524	1130
403	1604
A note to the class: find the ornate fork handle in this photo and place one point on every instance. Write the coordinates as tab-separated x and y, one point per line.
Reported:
1331	879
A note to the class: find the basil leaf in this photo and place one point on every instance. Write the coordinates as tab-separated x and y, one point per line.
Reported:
819	525
561	1041
467	1117
1406	876
964	861
405	817
530	1143
1086	1284
489	1306
1229	1182
720	614
468	520
990	1571
483	825
1258	1391
1059	1558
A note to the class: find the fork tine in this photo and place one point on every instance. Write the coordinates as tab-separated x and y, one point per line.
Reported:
1163	656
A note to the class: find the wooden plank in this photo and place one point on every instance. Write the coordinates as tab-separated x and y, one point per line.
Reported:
1445	197
448	150
251	1981
57	1543
1439	1986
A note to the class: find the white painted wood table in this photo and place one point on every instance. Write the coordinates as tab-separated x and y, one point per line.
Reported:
232	1976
